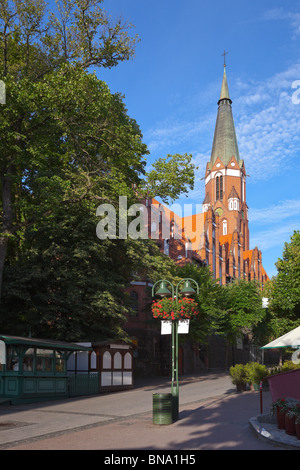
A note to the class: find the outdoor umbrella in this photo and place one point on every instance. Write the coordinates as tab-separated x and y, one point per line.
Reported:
290	339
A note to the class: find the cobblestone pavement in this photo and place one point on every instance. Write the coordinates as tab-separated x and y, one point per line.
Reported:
212	416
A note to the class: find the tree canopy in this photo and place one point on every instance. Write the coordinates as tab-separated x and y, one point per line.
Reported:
283	290
68	145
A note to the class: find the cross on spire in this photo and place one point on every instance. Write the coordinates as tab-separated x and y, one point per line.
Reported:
224	54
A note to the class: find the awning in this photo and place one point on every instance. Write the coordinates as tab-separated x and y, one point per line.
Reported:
290	339
43	343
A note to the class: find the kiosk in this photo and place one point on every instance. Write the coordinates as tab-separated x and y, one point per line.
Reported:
34	369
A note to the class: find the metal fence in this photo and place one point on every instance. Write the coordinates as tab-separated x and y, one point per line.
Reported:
83	384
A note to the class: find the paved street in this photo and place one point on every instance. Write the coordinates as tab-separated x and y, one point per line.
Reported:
212	416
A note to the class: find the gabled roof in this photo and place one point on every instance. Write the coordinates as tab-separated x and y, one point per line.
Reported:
233	194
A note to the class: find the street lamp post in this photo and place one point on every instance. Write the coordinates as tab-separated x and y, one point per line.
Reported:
186	291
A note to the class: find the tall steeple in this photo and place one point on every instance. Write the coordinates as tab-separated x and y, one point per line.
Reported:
225	143
225	184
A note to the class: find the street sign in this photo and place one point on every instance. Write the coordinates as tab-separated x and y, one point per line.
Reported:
166	327
183	327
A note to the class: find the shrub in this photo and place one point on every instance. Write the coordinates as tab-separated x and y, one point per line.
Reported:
256	372
239	374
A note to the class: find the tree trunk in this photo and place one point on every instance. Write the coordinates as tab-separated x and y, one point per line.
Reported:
7	220
226	354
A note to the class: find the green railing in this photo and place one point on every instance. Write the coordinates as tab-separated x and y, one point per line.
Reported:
83	384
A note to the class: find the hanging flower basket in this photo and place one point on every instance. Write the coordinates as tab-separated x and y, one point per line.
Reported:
168	309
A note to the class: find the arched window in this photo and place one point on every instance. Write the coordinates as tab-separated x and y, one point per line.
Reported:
93	360
127	361
107	360
224	227
134	297
219	187
117	361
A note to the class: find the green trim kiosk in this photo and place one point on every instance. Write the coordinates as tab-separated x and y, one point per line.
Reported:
34	369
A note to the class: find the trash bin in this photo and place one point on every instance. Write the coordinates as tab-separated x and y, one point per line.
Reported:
163	408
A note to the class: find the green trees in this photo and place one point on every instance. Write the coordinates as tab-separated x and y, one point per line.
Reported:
55	133
208	300
67	145
286	285
283	290
241	311
229	311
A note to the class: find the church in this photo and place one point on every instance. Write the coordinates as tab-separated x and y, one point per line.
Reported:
218	236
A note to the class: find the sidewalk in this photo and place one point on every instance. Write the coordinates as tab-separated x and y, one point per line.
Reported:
212	416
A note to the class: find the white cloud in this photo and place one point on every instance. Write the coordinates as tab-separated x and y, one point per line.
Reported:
276	213
268	127
266	119
280	14
273	237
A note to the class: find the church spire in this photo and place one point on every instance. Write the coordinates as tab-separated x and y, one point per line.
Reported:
225	143
224	90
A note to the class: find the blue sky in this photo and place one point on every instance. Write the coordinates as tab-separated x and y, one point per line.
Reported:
172	86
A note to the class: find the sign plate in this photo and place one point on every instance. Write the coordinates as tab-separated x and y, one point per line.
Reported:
2	352
166	327
183	327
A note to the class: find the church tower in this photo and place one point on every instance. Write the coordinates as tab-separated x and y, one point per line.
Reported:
225	189
219	236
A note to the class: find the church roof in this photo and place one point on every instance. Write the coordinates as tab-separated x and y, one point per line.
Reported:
223	239
206	199
233	193
225	143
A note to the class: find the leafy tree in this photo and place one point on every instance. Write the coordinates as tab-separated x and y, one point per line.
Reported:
169	177
68	145
65	137
207	300
285	293
68	285
39	51
240	310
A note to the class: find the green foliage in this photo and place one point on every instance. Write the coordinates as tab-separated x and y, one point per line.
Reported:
285	293
36	39
256	372
289	365
69	285
238	374
68	145
208	301
241	303
61	129
170	177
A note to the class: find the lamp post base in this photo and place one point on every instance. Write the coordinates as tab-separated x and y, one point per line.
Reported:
175	407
